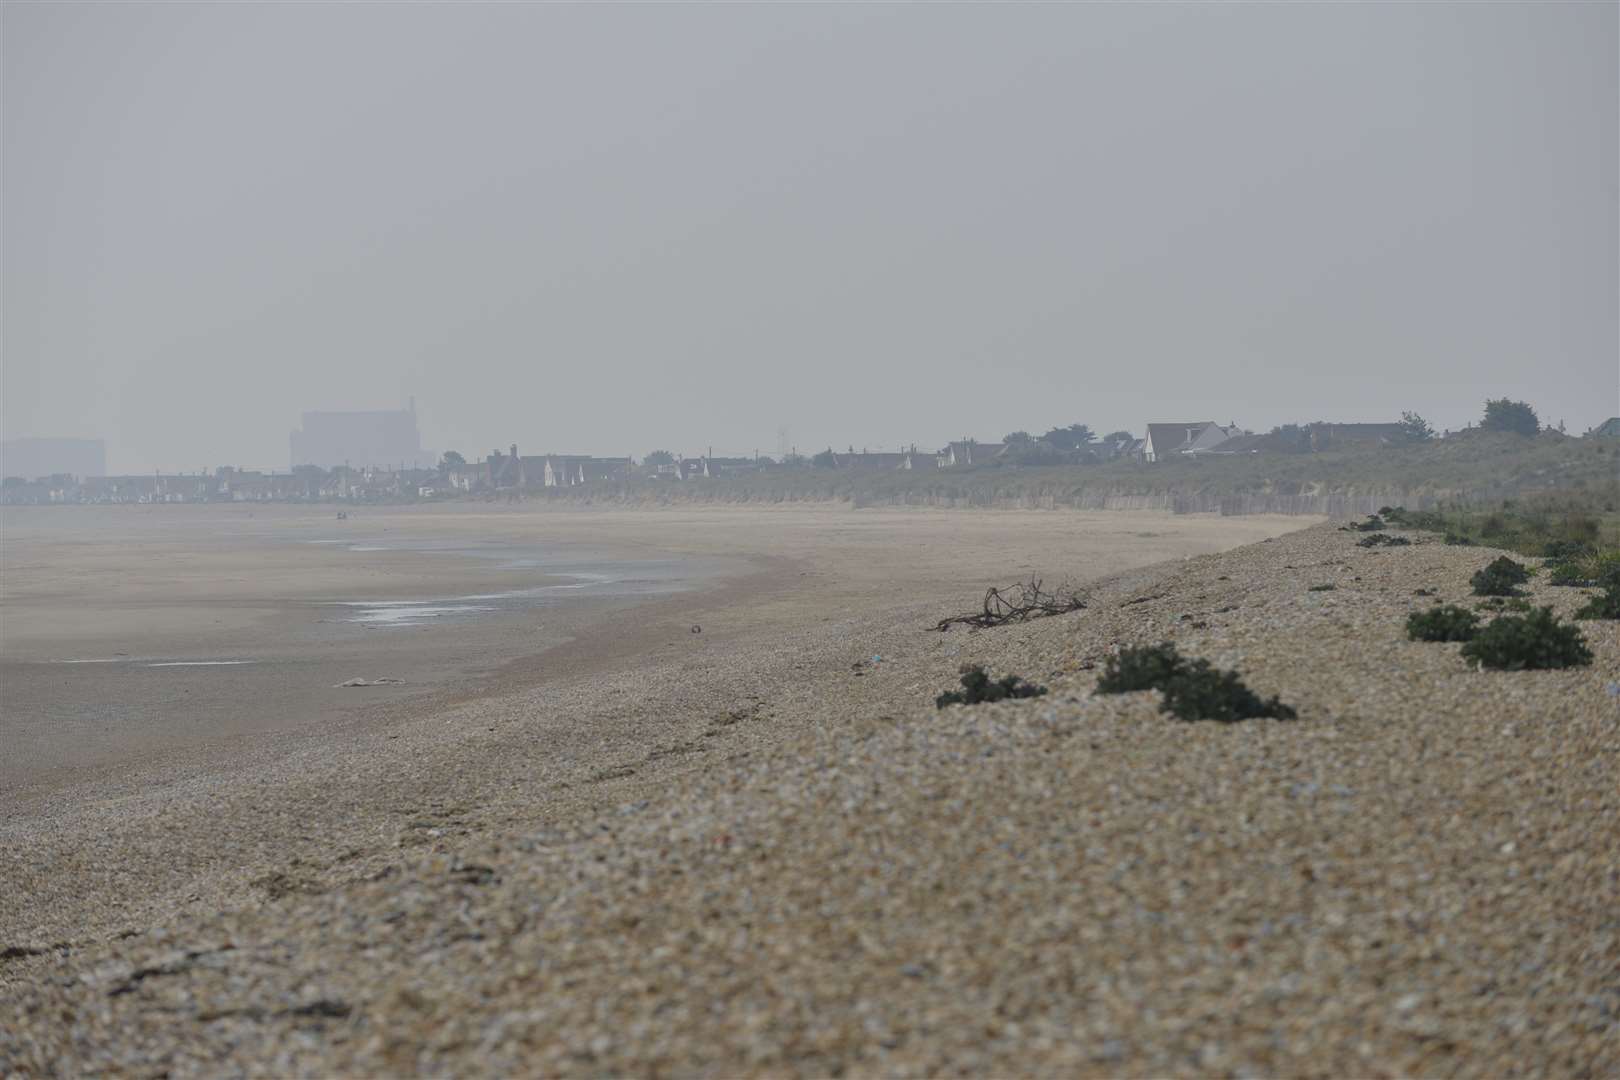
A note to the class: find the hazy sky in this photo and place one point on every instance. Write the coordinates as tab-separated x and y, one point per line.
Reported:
609	229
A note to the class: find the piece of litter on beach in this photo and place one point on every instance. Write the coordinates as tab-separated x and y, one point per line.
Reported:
370	682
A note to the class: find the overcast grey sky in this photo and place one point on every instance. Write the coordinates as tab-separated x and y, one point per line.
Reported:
609	229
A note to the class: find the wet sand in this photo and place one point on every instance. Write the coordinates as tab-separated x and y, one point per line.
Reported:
129	632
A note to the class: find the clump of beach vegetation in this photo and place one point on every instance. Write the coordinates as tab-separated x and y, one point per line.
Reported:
1567	526
1382	540
1443	622
977	686
1500	577
1534	641
1193	689
1606	604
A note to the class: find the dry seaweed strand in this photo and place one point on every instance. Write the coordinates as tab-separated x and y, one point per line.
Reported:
1016	603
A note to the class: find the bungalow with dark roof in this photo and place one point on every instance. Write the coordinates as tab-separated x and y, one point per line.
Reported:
1167	440
1326	436
594	469
914	461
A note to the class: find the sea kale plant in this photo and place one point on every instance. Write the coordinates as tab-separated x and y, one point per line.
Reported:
1446	622
1192	689
977	687
1536	641
1500	577
1382	540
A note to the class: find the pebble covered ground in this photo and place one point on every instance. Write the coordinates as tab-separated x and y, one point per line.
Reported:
1419	875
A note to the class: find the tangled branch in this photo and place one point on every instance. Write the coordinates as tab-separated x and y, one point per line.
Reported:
1017	603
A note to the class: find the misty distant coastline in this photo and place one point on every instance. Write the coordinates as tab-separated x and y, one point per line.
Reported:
1463	468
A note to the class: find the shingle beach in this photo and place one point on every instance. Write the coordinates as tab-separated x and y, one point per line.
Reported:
787	861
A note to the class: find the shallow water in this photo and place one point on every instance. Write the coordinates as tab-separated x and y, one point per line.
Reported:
585	577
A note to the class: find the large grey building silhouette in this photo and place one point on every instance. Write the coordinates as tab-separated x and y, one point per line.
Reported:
360	438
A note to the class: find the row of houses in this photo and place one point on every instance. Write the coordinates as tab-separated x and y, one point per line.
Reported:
306	483
509	471
513	471
1161	442
1205	437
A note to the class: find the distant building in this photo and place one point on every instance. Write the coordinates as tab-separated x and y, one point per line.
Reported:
1326	436
915	460
33	459
1609	429
866	459
562	470
507	470
969	452
1165	441
469	476
604	468
329	439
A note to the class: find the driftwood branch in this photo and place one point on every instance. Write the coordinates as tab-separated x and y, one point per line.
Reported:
1017	603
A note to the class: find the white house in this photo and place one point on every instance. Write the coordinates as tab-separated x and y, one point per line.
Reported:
1165	440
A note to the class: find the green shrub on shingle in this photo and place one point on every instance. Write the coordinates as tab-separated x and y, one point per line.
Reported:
1499	578
977	687
1606	604
1446	622
1192	689
1147	667
1566	573
1536	641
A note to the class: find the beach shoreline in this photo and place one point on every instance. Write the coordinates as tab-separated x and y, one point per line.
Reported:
760	575
777	857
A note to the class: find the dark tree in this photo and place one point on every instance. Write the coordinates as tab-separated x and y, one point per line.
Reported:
1416	428
1292	438
1119	436
659	457
452	459
1515	416
1073	437
1018	438
1036	452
